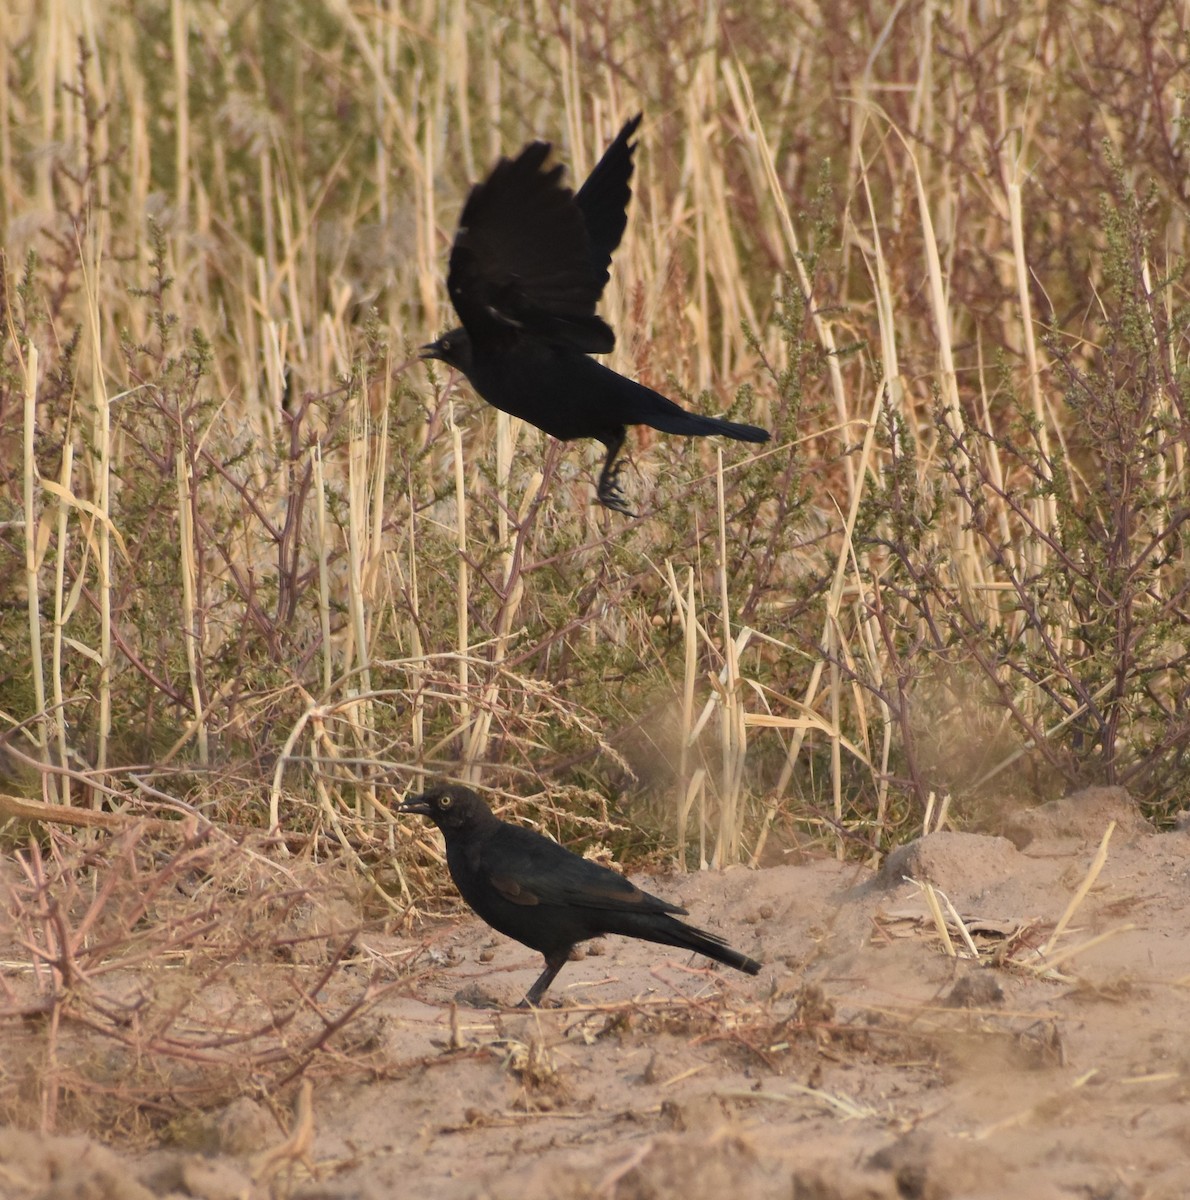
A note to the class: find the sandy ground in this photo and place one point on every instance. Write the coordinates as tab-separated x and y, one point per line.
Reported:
865	1062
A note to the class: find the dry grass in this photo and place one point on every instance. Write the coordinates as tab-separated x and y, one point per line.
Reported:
259	561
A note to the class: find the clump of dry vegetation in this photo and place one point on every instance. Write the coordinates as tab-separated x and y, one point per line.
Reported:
167	968
259	561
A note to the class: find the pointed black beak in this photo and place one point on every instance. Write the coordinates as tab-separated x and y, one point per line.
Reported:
416	804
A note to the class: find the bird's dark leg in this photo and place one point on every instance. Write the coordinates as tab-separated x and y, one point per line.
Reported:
553	964
608	493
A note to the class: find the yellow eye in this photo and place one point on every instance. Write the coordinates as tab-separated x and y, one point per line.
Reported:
445	801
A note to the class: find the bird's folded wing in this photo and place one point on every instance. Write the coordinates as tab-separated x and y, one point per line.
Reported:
521	260
513	890
530	871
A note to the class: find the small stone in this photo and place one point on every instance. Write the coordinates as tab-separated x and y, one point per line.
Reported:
975	990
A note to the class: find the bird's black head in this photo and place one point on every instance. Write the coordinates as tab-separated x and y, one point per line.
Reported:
450	806
453	348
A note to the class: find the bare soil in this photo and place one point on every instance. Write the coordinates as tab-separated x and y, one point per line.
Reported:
866	1062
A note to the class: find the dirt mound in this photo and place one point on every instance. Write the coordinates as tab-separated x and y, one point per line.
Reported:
1082	816
36	1166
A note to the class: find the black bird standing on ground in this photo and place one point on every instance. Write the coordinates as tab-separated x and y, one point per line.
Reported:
528	265
546	897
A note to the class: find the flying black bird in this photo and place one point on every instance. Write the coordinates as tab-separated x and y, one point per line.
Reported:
527	268
545	897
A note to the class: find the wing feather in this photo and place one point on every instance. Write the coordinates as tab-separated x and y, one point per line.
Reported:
527	868
521	260
603	199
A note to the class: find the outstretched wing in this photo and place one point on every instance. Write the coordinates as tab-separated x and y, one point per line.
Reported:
521	260
603	199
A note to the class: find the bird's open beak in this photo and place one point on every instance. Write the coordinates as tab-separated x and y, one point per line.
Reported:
416	804
429	350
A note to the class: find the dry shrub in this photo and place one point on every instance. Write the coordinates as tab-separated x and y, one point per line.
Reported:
167	968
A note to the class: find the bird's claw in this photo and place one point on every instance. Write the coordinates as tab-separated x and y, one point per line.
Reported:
609	493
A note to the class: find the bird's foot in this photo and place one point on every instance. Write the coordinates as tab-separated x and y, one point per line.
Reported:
609	493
